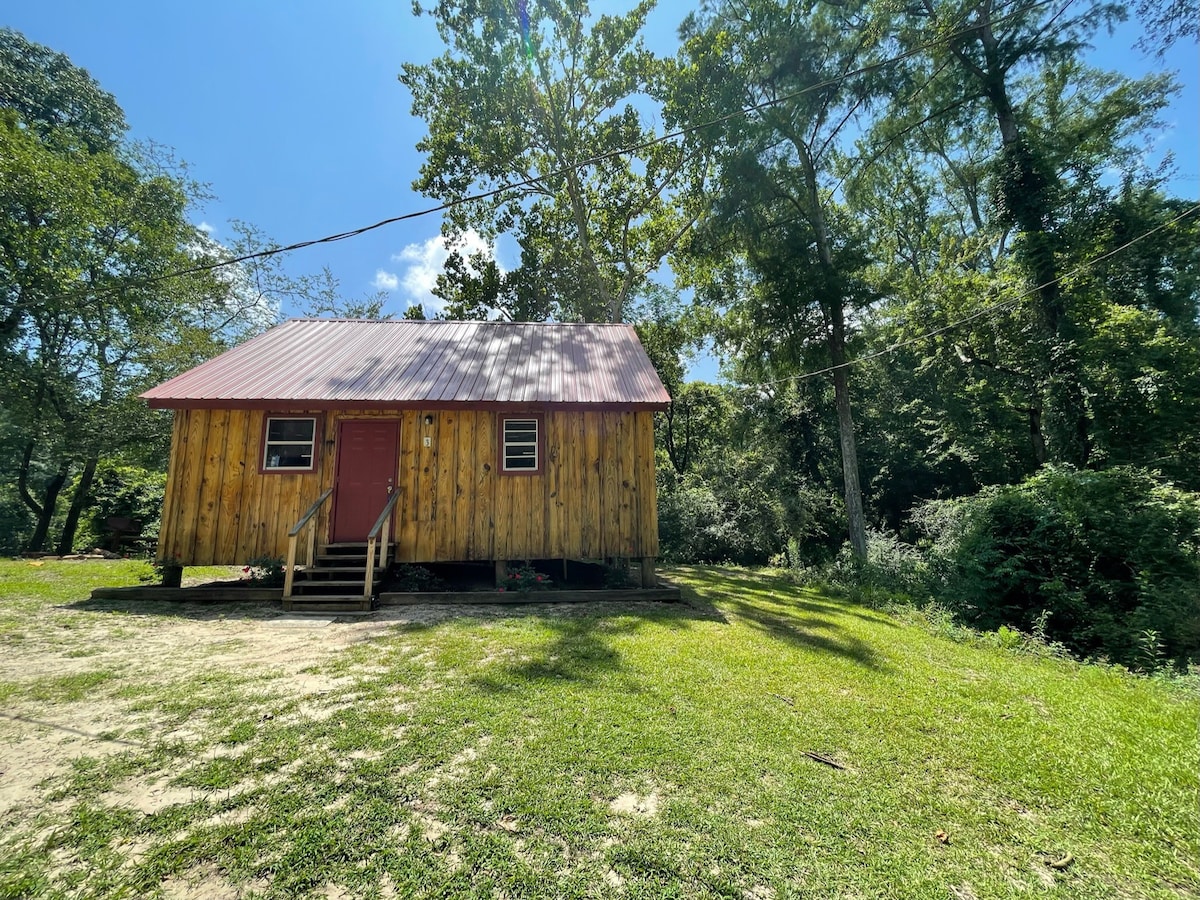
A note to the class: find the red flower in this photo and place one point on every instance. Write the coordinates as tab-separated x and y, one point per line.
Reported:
502	590
245	568
539	578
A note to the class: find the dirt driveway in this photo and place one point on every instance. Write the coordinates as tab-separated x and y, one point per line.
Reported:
192	751
61	663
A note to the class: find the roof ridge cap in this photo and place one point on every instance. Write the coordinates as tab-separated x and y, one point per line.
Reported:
348	319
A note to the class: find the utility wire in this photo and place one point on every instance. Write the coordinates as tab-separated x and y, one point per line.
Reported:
978	314
589	161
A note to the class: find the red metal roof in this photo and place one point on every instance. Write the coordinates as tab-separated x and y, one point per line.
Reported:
346	362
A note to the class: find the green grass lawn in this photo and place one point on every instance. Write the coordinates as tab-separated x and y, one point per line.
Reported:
583	751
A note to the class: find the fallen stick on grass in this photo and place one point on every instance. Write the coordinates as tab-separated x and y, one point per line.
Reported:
809	753
823	759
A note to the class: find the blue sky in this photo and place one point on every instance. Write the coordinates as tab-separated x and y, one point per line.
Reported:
293	114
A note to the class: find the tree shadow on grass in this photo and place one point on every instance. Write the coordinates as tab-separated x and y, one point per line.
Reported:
580	647
578	652
797	616
782	591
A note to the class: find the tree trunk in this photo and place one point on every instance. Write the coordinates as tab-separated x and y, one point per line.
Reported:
23	481
67	541
45	510
855	520
610	303
1036	438
1026	190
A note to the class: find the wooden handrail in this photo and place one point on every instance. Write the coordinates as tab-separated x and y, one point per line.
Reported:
289	571
312	511
383	516
383	523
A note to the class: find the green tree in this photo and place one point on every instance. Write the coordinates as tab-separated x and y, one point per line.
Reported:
778	250
1015	70
475	288
552	96
1165	22
1141	351
92	233
55	98
84	234
981	401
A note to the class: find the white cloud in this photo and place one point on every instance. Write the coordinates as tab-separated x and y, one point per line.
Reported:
207	229
425	261
385	281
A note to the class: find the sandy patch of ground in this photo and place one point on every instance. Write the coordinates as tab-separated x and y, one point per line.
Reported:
206	883
150	797
150	644
141	652
640	805
34	748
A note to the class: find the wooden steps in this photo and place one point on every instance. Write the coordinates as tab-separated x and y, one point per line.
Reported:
328	603
360	569
308	584
334	582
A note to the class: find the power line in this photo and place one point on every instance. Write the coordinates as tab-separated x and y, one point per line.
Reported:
589	161
978	314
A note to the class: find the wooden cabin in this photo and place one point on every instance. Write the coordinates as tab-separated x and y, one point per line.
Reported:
436	441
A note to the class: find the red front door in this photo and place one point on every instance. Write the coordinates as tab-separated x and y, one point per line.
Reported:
367	452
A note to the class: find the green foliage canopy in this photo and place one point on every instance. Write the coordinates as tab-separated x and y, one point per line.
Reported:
551	98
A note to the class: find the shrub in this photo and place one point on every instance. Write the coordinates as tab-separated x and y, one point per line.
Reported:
121	490
616	576
1107	563
415	579
526	578
265	571
892	573
736	520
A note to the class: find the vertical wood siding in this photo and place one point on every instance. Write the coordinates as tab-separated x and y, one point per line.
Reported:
594	498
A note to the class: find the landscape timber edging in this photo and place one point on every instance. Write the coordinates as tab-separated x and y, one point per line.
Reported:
204	593
666	593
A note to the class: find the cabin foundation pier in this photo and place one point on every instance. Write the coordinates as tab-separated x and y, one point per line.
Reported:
649	579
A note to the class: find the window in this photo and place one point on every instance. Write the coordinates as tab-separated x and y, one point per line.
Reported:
289	445
520	452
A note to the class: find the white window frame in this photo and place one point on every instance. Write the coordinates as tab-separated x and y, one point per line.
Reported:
268	444
505	443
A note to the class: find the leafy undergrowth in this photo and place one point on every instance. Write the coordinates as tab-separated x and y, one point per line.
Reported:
622	750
